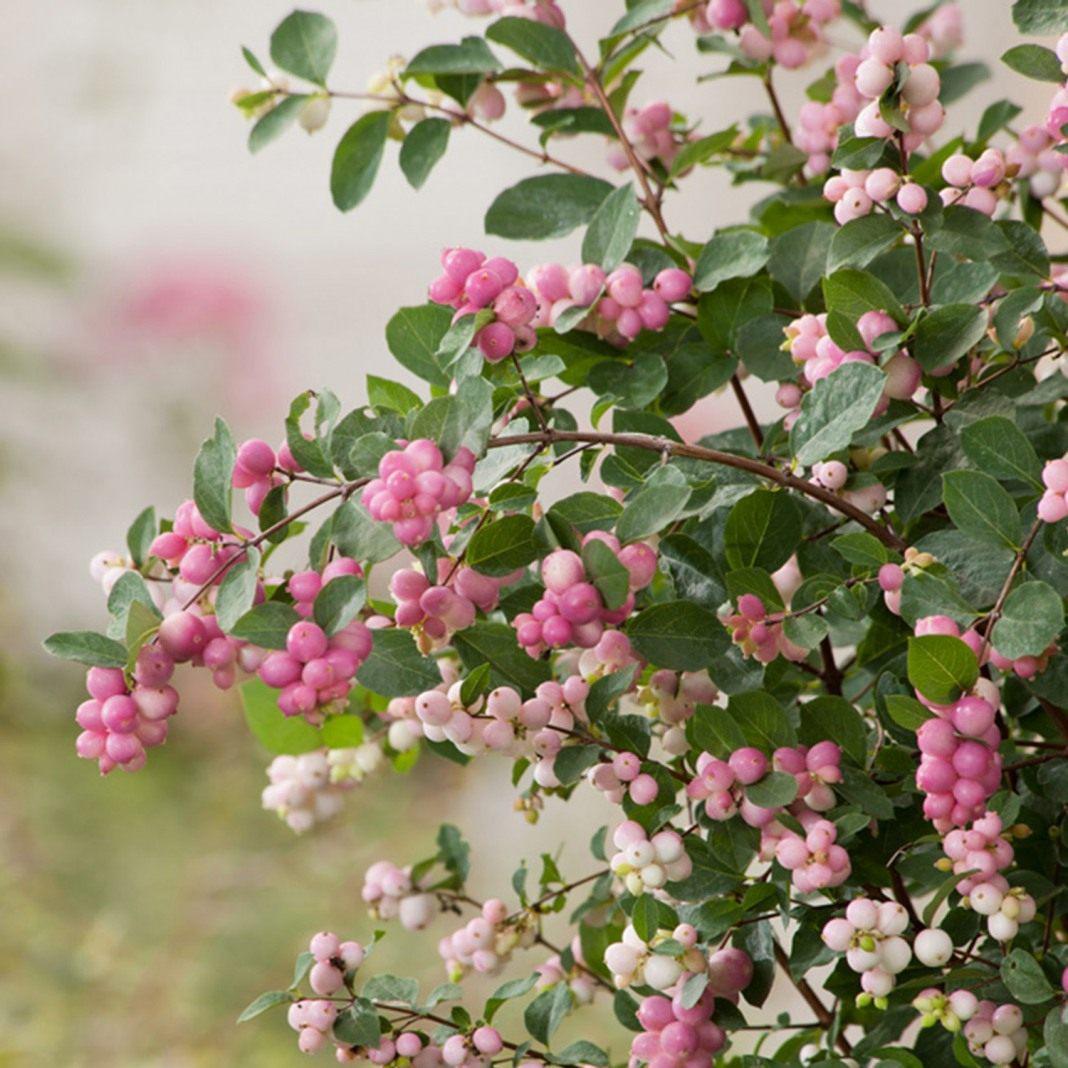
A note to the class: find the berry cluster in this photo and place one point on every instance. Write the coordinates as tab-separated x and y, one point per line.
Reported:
626	307
818	123
649	130
721	784
119	724
579	979
795	28
390	893
199	552
572	611
870	936
993	1031
634	961
973	183
1005	910
645	863
623	775
672	698
335	962
896	64
546	11
310	788
256	470
1053	506
854	194
485	943
437	611
815	860
759	633
415	485
1035	157
674	1035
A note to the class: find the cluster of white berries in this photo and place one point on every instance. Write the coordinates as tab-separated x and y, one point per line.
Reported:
870	936
1004	910
645	863
635	962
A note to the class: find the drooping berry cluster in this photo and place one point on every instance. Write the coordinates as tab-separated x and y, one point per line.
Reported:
645	863
256	470
973	183
759	633
870	936
795	28
572	611
855	194
633	961
815	860
674	1035
334	961
310	788
1053	505
649	130
993	1031
415	485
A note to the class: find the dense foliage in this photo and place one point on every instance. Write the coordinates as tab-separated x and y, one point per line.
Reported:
816	663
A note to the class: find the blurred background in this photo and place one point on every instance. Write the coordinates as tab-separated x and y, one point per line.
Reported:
154	273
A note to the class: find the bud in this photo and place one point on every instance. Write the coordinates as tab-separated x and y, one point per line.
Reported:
944	864
1020	830
315	112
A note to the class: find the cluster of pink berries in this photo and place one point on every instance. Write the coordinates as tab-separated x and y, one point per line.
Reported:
1005	910
812	348
721	783
818	123
623	775
993	1031
626	307
334	962
315	670
673	698
649	131
437	611
645	863
414	485
854	194
814	859
256	470
471	283
1034	156
886	54
310	788
973	183
546	11
795	27
485	943
119	724
571	610
198	551
635	961
870	936
674	1036
1053	507
579	979
391	894
760	634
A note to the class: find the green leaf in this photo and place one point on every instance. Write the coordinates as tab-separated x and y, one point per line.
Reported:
264	1002
495	644
762	720
614	223
1040	17
342	732
356	534
276	121
1031	619
858	242
396	668
339	602
997	446
211	477
424	145
678	635
762	530
382	393
87	647
549	205
392	989
581	1053
1025	979
413	337
573	760
237	590
140	535
514	988
605	691
304	44
1034	61
276	732
941	667
253	62
944	335
966	232
834	410
357	158
639	14
645	916
835	719
776	789
1055	1033
730	254
961	79
266	625
358	1024
693	570
945	888
587	511
547	1011
504	546
862	549
548	48
799	257
858	789
655	506
852	293
470	56
979	506
906	712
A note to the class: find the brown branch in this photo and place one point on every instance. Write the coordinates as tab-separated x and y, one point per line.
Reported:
715	456
812	999
999	604
747	410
